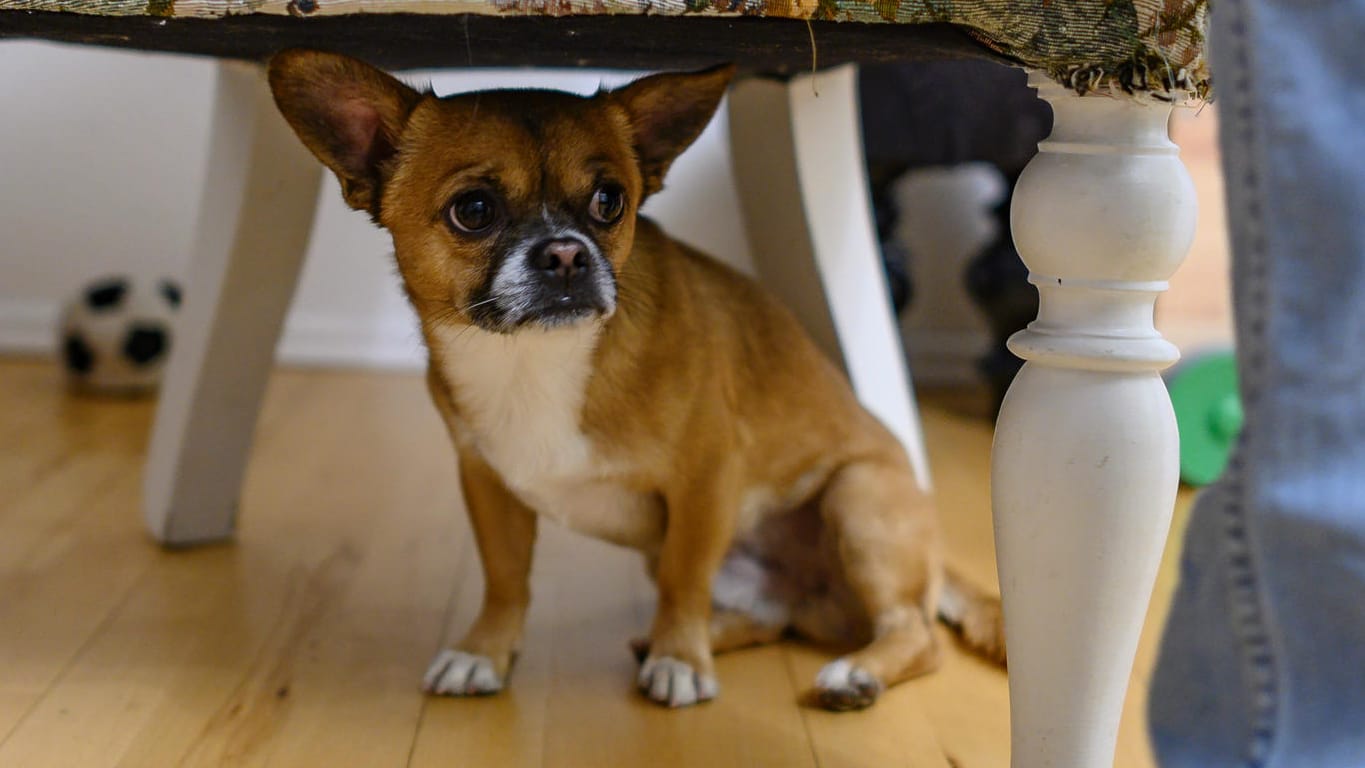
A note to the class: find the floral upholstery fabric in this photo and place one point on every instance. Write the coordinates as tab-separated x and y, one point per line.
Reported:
1147	48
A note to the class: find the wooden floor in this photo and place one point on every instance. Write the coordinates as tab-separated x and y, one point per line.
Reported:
303	643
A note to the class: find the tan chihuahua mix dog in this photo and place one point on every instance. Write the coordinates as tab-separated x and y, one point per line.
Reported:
593	371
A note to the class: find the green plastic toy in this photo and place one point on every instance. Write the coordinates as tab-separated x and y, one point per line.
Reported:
1208	412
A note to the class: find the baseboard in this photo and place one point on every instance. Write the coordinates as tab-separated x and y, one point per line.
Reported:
29	327
317	339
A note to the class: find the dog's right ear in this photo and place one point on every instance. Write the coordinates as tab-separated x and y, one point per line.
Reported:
349	114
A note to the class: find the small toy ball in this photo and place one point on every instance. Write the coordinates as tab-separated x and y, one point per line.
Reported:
116	335
1208	413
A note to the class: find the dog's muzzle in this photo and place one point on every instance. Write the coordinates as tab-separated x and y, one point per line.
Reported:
550	282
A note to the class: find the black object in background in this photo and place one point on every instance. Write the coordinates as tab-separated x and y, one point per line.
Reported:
945	113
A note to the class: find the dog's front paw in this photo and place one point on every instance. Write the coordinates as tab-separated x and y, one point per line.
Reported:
674	683
457	673
841	686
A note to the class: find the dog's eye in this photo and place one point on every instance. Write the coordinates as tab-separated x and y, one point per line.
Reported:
473	211
607	204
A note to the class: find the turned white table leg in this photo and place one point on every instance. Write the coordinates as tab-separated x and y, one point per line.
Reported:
797	149
1086	455
260	192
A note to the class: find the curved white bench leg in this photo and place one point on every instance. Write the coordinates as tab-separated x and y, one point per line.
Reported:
1086	452
798	160
260	192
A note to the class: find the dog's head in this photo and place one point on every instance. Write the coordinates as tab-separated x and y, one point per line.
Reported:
507	208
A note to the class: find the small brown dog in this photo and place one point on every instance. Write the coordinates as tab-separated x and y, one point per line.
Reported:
593	371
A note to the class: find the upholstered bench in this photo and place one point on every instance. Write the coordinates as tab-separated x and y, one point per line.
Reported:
1085	464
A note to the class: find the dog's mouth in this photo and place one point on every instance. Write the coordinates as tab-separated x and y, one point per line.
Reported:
566	309
542	306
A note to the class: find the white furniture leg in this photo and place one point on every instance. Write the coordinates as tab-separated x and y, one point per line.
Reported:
1086	454
798	160
260	193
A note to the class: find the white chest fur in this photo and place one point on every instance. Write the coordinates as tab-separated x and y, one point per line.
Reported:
522	398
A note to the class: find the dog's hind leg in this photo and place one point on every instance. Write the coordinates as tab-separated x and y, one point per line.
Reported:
733	630
903	647
883	530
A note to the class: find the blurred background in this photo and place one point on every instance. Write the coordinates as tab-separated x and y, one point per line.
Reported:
103	154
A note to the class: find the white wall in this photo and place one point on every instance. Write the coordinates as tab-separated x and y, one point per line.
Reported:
100	157
101	164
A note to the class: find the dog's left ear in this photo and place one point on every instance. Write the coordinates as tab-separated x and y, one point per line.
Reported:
667	113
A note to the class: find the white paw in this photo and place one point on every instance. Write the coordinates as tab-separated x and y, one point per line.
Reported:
672	682
842	686
456	673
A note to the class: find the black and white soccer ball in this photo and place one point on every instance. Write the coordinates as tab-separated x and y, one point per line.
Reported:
116	334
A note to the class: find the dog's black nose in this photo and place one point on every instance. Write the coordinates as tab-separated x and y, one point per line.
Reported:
565	258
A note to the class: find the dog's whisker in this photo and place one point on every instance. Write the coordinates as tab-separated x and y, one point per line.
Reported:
478	304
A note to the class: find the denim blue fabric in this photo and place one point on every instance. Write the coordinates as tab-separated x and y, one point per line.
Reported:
1262	663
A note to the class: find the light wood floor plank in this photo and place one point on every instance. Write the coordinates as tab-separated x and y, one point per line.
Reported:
70	544
118	681
53	597
456	731
895	732
43	430
594	715
204	620
67	556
